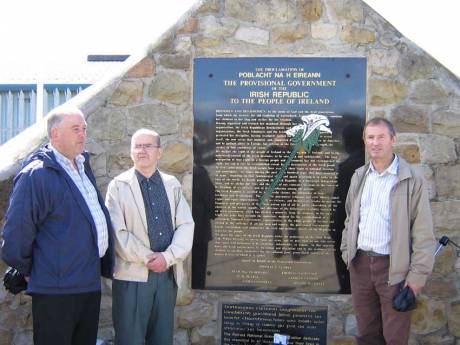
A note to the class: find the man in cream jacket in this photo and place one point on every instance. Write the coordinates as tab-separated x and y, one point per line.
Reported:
153	229
388	240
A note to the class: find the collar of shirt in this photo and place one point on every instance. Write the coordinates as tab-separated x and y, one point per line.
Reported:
155	178
63	160
392	169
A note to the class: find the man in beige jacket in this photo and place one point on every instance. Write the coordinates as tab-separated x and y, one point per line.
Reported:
153	229
388	240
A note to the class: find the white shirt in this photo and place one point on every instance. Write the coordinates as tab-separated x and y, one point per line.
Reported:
89	193
375	211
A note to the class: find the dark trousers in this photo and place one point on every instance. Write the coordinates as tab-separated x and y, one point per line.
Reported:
378	322
143	313
199	264
66	319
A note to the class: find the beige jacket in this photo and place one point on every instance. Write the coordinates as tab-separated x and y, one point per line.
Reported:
132	246
412	242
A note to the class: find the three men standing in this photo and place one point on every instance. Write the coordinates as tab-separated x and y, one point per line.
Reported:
388	240
153	229
58	234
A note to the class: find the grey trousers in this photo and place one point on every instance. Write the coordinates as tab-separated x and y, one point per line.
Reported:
143	313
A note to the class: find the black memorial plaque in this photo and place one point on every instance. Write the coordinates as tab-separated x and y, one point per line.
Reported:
248	323
276	141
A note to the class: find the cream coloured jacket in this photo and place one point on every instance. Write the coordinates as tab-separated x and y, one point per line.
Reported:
132	245
412	239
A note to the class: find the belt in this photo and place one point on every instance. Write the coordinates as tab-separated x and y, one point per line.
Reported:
370	253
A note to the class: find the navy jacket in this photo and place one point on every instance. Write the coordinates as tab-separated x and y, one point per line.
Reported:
49	232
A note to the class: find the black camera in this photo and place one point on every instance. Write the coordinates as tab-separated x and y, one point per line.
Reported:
405	300
14	281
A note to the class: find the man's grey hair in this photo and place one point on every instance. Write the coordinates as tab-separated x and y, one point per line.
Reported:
380	121
55	117
146	131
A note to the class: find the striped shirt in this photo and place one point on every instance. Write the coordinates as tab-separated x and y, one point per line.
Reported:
375	212
88	191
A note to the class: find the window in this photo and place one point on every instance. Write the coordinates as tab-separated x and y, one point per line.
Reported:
57	94
17	109
19	104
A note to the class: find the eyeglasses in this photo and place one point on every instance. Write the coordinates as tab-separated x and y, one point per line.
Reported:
139	147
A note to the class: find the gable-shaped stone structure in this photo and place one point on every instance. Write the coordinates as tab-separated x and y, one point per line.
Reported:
154	90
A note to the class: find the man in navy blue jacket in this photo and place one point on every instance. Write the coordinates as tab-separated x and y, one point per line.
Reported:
58	234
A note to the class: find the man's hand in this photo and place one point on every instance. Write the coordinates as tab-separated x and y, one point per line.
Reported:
157	263
415	288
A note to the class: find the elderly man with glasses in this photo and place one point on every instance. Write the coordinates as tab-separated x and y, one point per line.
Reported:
153	229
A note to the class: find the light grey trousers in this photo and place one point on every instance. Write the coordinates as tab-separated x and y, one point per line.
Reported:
143	313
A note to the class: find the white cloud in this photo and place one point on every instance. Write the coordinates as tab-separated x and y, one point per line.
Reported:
432	25
49	29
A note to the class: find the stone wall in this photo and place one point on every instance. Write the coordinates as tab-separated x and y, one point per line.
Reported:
154	90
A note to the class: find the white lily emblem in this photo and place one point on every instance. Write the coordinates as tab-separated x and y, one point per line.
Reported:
310	123
312	126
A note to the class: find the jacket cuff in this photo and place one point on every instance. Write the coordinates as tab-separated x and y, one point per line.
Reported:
417	278
168	258
146	259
